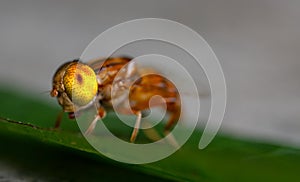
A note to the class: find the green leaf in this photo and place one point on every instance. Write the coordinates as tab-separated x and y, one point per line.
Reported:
28	143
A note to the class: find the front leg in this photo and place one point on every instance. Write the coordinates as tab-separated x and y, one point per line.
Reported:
58	119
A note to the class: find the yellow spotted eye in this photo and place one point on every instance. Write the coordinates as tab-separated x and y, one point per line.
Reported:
80	83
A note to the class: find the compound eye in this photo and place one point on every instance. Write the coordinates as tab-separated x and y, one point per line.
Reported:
80	83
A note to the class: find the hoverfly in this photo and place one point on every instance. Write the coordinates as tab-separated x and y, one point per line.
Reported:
78	85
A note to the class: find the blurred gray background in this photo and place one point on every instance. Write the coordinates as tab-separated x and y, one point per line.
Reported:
256	41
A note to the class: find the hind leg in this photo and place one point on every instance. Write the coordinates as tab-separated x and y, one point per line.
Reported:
136	126
174	116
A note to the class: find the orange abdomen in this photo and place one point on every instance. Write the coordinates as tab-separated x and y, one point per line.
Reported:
151	85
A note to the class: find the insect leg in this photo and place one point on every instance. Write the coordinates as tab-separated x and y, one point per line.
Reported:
101	114
151	132
58	119
174	116
92	125
136	127
153	135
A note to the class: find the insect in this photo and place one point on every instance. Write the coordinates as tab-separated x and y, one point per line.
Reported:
78	85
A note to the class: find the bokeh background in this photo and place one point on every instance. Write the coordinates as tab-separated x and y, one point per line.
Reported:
257	43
